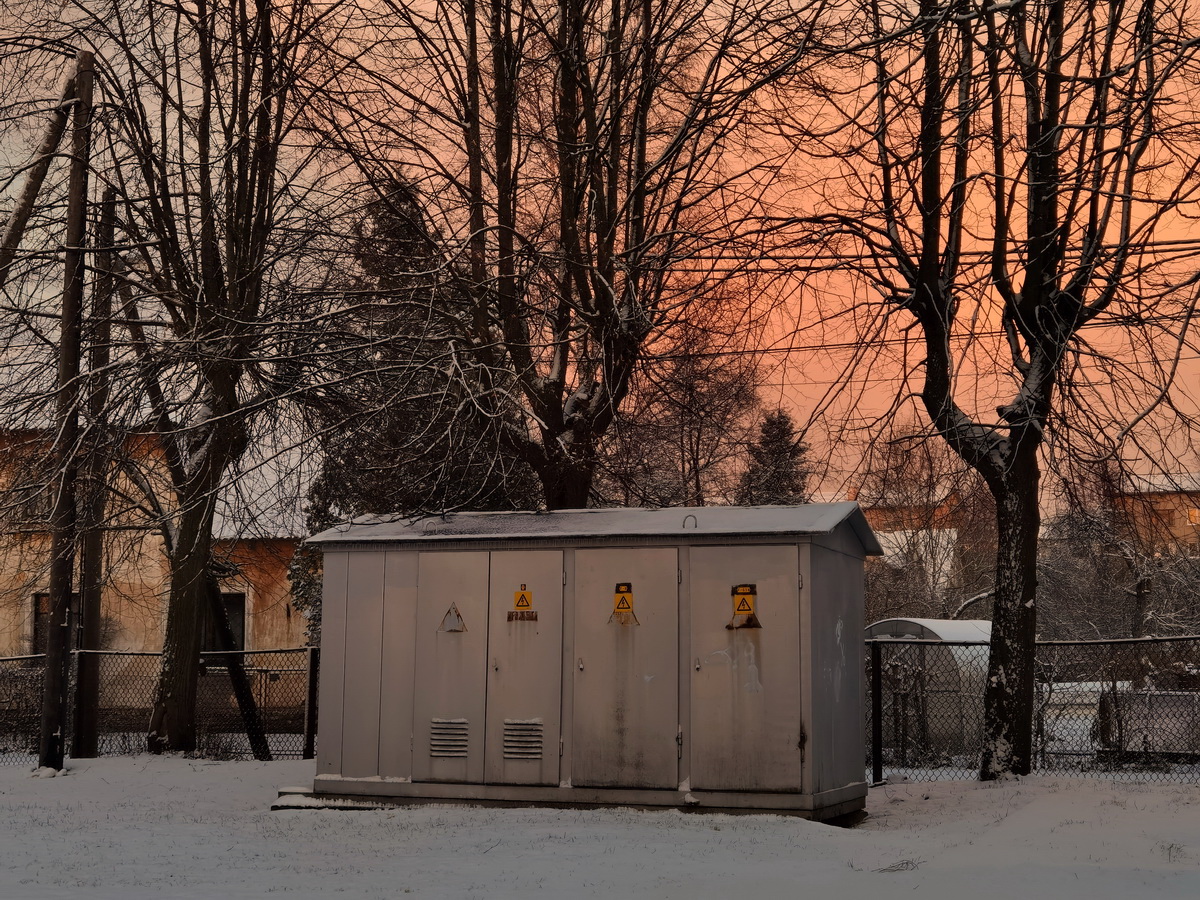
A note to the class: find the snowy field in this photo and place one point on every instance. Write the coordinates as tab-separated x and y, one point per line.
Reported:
152	827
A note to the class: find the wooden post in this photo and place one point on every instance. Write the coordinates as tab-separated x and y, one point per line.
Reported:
52	745
84	735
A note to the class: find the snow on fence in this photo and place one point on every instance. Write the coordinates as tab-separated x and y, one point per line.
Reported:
1115	708
283	684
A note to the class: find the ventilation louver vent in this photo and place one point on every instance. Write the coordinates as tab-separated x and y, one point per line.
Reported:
523	738
448	738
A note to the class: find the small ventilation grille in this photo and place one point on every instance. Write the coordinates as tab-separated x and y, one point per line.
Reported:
448	738
523	738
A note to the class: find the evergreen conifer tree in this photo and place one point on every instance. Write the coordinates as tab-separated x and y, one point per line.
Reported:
778	471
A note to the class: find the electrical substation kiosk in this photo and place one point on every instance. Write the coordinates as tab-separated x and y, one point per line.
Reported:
698	657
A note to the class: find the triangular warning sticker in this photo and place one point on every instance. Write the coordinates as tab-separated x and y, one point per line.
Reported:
744	607
452	621
522	601
623	603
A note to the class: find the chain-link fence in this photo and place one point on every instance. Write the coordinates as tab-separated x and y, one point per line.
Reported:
20	708
281	686
1107	708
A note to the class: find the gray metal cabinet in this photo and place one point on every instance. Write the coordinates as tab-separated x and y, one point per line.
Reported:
745	690
451	666
657	657
626	675
524	676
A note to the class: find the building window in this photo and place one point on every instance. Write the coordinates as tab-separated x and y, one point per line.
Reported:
28	505
41	621
235	611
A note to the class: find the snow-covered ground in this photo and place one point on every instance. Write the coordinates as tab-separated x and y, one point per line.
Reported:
147	827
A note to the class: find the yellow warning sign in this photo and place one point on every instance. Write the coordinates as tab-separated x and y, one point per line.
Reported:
623	598
623	605
744	596
523	599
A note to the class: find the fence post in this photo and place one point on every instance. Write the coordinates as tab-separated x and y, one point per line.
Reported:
310	703
876	713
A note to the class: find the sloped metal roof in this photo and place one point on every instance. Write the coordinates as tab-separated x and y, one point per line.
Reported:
701	521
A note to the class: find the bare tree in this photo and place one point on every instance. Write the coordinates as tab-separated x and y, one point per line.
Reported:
219	231
590	168
999	179
1120	558
935	520
680	439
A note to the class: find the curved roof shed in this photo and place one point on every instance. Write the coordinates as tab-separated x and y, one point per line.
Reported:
967	630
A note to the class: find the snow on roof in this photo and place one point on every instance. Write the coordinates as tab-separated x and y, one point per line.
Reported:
808	519
933	629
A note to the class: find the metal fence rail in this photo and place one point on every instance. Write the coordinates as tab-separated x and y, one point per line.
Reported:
282	682
1127	708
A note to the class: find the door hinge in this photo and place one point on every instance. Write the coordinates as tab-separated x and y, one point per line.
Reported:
679	744
679	576
560	747
800	581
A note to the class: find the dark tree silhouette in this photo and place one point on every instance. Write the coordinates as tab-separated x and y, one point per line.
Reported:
778	471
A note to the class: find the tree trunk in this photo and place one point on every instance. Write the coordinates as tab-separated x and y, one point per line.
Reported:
1008	693
566	482
173	718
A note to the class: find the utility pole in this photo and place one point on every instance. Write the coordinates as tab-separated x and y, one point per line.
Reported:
84	734
52	746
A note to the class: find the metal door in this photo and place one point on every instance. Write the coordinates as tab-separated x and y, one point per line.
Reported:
451	666
746	728
625	703
524	677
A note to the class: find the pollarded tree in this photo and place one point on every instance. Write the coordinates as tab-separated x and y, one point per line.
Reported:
998	176
593	173
777	472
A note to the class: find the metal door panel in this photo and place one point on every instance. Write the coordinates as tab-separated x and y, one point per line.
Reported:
364	663
745	692
398	640
524	676
331	715
451	659
626	702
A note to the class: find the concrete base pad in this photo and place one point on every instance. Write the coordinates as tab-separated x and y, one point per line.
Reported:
331	792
